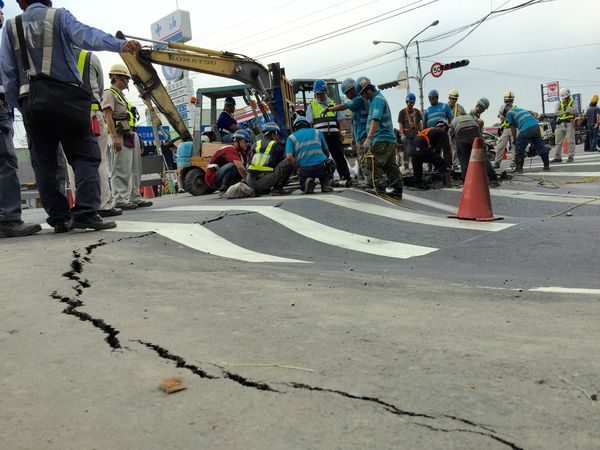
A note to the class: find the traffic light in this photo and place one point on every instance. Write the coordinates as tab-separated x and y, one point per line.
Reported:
456	64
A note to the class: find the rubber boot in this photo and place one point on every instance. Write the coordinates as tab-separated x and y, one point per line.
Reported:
398	188
546	161
326	187
519	161
446	180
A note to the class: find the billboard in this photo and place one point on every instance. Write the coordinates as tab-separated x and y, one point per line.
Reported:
175	27
552	89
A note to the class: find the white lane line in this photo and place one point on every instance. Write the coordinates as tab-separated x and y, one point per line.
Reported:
562	290
552	174
587	163
540	196
430	203
323	233
201	239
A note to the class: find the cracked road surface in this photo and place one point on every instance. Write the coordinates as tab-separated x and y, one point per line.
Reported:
346	350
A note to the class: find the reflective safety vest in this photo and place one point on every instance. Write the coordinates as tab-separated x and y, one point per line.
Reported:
505	124
260	160
565	115
132	114
83	66
425	135
328	123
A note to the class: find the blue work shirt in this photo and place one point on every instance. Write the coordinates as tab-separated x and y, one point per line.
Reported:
360	114
521	118
436	113
67	32
225	121
306	146
380	110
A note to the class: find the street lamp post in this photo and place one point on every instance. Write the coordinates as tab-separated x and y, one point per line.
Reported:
405	49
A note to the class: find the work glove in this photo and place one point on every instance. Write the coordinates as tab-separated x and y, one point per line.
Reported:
367	145
324	112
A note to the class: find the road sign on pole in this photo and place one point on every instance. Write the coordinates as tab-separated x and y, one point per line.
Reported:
552	89
402	79
437	69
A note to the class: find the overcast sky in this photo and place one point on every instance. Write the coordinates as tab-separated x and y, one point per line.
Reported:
511	51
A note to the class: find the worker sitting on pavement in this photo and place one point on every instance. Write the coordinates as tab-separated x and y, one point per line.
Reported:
307	149
226	124
226	167
463	130
330	124
428	145
269	169
380	143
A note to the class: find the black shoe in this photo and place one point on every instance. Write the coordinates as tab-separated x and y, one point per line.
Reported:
125	206
309	186
277	191
93	222
570	159
17	228
110	212
494	184
143	203
556	160
62	225
546	169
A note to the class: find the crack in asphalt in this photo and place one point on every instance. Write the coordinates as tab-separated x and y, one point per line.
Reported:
222	215
81	284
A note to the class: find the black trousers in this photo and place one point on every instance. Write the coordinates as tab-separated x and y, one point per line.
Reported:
427	156
464	145
83	154
337	153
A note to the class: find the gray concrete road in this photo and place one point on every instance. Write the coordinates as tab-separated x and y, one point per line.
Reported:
336	321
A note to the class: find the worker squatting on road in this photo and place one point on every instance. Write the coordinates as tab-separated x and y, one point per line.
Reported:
529	133
125	144
565	128
307	150
380	143
226	123
360	112
463	131
329	123
228	165
506	134
269	170
429	143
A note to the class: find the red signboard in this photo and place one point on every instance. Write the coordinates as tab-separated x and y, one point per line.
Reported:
552	89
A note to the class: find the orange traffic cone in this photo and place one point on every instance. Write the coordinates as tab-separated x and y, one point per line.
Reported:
148	192
475	203
565	149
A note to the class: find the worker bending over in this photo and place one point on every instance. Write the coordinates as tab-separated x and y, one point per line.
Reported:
307	150
529	132
226	167
429	143
269	170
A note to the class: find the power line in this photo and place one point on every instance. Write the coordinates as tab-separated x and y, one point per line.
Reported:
348	29
526	51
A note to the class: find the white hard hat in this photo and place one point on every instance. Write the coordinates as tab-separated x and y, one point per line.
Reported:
509	95
119	69
565	92
453	93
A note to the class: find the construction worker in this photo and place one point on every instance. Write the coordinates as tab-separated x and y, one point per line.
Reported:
463	130
269	170
593	122
410	123
360	112
565	128
436	111
505	134
90	69
457	110
11	224
429	143
380	143
480	107
228	165
51	54
307	150
125	145
329	123
529	133
226	123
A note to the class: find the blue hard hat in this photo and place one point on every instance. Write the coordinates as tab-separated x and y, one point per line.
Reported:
410	97
301	122
433	93
241	134
347	84
362	83
271	127
1	4
319	86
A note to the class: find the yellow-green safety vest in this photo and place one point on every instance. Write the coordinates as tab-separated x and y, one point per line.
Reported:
83	66
328	123
260	160
505	124
565	115
131	110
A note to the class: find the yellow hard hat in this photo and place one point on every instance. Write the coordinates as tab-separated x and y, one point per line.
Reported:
594	99
119	69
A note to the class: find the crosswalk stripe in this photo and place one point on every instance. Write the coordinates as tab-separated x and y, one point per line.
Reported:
559	165
323	233
553	173
541	196
202	239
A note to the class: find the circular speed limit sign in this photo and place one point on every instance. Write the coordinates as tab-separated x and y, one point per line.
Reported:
437	70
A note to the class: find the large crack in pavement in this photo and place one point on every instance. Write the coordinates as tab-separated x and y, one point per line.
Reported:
75	302
222	215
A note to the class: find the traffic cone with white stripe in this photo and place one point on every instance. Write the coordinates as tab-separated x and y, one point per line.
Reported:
476	203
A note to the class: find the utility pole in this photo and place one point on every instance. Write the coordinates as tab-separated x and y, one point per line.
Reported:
543	103
420	76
